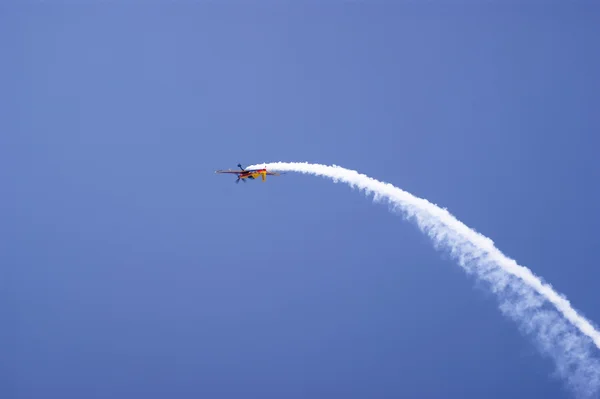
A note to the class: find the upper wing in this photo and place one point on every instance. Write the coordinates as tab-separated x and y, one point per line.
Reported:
228	171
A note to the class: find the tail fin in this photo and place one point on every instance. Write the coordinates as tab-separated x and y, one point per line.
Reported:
264	176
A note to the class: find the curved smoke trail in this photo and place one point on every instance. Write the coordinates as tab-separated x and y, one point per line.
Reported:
560	331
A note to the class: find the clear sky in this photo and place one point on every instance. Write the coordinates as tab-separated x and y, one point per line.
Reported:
129	269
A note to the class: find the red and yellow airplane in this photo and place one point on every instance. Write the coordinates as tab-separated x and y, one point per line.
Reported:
249	174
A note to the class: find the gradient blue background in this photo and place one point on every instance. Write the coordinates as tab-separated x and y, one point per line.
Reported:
129	269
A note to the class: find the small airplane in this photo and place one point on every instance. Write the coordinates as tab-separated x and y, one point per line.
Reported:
249	174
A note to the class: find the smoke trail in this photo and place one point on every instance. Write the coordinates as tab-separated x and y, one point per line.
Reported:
561	332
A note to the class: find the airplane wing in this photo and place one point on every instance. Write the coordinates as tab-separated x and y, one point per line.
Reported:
228	171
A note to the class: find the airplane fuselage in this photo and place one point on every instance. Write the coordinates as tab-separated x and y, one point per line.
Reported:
253	174
248	174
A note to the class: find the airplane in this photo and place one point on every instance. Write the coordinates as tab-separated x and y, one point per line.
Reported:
249	174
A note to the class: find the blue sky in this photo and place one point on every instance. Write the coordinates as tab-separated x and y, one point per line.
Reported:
128	268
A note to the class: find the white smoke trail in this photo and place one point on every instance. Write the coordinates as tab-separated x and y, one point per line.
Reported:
523	296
